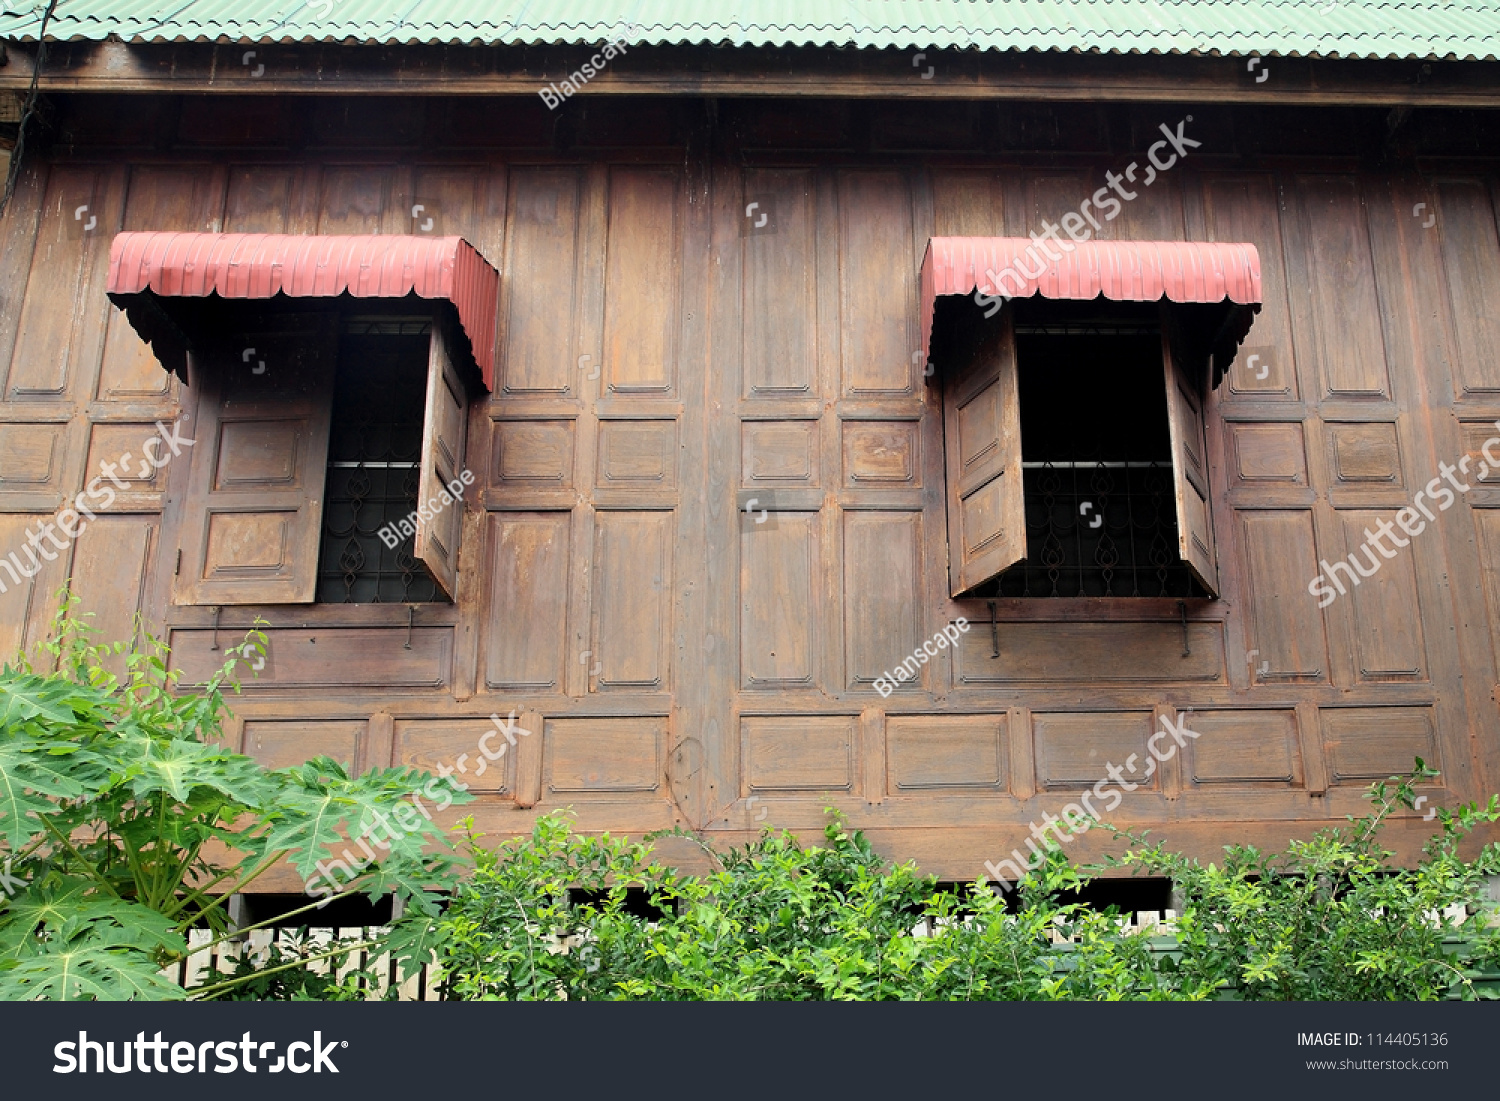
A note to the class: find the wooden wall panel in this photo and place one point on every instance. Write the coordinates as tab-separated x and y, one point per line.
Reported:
187	198
63	314
111	565
592	757
1051	193
458	201
882	559
777	453
355	198
781	588
637	454
1077	653
967	202
883	454
800	753
264	199
130	371
1074	750
642	281
540	287
1155	214
1487	524
33	458
118	444
1388	641
1266	454
1346	318
1471	260
878	262
366	658
631	631
429	744
1243	747
283	743
1367	452
533	454
525	639
1475	435
1245	208
19	598
1283	621
779	310
1372	743
939	753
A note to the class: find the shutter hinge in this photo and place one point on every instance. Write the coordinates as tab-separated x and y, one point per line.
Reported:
177	569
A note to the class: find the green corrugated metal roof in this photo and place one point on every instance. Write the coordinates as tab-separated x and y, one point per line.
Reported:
1435	29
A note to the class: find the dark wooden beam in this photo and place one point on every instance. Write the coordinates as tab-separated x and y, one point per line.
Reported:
334	69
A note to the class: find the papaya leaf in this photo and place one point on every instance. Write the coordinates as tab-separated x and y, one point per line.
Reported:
88	972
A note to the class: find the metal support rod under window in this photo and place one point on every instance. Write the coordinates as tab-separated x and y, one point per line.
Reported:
1064	465
373	465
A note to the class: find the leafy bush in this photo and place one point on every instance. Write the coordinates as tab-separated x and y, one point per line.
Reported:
1331	920
124	822
1327	919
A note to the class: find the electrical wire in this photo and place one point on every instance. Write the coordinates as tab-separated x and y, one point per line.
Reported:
28	109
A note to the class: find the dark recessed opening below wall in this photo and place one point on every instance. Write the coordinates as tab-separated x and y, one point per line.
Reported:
1128	896
637	902
354	912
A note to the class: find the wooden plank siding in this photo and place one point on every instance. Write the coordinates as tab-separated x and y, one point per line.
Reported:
664	360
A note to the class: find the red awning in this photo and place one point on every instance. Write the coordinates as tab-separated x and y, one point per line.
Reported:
1123	271
261	265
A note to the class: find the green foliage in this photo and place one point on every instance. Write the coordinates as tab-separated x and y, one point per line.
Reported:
282	974
124	822
1327	919
774	921
1331	920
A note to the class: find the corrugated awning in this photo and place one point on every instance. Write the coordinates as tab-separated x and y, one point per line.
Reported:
1210	273
146	270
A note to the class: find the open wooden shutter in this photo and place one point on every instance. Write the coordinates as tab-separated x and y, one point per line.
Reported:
254	513
982	436
443	429
1195	533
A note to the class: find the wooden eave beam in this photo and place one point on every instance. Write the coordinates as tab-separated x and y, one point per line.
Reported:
340	69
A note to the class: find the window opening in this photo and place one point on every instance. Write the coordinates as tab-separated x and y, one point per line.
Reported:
374	454
1096	451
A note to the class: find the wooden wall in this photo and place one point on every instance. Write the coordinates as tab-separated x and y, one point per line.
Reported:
662	361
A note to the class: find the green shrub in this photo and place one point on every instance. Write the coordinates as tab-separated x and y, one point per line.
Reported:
1327	919
1331	920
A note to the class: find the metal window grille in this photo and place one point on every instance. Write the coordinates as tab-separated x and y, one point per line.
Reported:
373	466
1100	528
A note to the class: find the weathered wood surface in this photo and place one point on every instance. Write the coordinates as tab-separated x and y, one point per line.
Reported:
341	69
663	361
